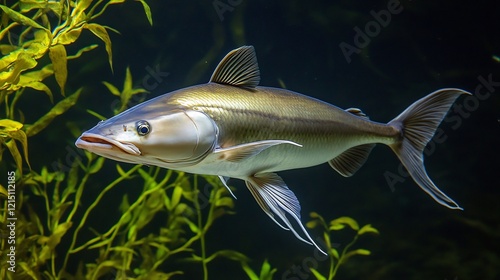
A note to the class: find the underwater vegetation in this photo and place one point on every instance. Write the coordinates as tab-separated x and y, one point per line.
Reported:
56	234
336	258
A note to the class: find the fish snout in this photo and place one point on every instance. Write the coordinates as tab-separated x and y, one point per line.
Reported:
93	142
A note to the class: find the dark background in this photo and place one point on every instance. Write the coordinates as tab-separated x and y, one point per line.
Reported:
427	46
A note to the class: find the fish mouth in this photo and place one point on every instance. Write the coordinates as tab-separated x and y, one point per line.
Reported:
93	142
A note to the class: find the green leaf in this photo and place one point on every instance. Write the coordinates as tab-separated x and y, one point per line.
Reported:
317	274
336	227
127	83
111	2
3	191
125	204
40	45
176	197
81	6
71	181
28	270
23	62
249	271
314	215
6	49
14	151
68	36
8	125
35	219
192	226
154	201
102	34
37	86
20	18
361	252
45	176
225	202
334	253
339	222
182	209
95	114
58	212
166	202
147	10
33	80
61	107
7	61
368	229
132	232
59	60
28	5
78	14
266	273
112	88
122	172
312	224
94	168
5	30
230	254
82	50
327	239
39	75
58	233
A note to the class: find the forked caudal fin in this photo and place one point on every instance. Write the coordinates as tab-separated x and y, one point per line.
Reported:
417	124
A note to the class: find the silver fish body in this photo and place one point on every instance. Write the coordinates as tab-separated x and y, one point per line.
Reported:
319	131
233	128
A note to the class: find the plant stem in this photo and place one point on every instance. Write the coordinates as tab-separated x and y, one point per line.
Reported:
91	207
332	272
201	232
341	259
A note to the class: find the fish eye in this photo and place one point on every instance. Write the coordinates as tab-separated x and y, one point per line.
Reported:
143	128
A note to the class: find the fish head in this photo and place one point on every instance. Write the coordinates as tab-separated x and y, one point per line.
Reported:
169	138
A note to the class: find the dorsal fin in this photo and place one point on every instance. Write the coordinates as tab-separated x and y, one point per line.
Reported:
238	68
348	162
357	112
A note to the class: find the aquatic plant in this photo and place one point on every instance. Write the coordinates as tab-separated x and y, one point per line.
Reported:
41	230
36	30
266	271
56	235
336	258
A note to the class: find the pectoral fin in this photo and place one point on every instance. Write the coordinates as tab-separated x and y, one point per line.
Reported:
351	160
275	198
244	151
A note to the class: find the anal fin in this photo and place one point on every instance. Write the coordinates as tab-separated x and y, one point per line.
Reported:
351	160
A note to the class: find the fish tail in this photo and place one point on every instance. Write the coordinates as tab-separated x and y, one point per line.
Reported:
417	125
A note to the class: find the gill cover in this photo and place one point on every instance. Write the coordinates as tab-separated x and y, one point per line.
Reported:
181	137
